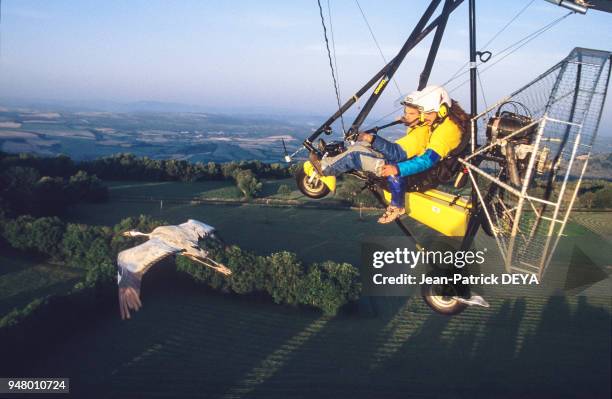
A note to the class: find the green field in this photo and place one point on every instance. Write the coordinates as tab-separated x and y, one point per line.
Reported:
169	189
23	279
599	223
314	234
189	342
199	190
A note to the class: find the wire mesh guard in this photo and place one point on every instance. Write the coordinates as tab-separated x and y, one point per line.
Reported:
537	144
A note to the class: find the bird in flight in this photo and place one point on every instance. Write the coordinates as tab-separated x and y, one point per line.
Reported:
163	241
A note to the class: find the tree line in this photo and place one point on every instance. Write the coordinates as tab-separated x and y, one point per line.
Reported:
25	190
595	194
127	166
246	174
326	286
130	167
592	194
58	182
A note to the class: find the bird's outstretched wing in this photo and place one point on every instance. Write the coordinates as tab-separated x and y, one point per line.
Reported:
201	230
132	264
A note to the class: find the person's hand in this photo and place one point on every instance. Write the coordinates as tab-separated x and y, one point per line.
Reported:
390	170
367	137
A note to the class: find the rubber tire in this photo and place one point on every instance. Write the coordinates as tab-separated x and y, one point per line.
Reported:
492	207
439	304
319	191
486	227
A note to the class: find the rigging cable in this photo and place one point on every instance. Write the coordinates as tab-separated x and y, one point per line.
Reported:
377	45
0	29
331	29
491	40
329	56
515	46
495	36
484	99
510	49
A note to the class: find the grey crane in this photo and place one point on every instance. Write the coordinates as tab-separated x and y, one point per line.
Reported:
163	241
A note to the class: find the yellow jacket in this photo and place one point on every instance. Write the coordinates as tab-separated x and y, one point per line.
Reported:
443	139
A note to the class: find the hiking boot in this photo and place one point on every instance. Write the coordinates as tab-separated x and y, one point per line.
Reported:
316	162
392	213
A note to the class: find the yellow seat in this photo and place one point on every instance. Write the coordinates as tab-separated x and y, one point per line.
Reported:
438	210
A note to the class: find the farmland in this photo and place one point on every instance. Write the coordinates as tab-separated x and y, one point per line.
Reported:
188	340
196	136
23	278
314	234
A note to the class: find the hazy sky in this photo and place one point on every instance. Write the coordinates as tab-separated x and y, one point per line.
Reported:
261	53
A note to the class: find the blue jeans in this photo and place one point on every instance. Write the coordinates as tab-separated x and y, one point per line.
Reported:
397	188
370	158
363	156
394	154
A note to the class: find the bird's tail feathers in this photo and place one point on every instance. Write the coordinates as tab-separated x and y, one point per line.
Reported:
129	299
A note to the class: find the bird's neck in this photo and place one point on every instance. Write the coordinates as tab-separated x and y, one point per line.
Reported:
138	234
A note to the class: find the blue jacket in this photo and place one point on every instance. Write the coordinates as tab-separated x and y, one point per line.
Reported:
418	164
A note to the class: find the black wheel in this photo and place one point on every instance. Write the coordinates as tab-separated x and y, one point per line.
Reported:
486	226
498	206
312	188
441	299
497	202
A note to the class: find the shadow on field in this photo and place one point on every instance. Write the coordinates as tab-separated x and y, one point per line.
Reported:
20	300
12	260
187	342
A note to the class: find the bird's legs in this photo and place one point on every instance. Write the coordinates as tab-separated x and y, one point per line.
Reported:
201	256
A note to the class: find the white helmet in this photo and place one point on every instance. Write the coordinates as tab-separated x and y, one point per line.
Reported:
429	99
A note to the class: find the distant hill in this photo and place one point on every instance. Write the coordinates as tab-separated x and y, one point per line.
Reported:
239	109
195	136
